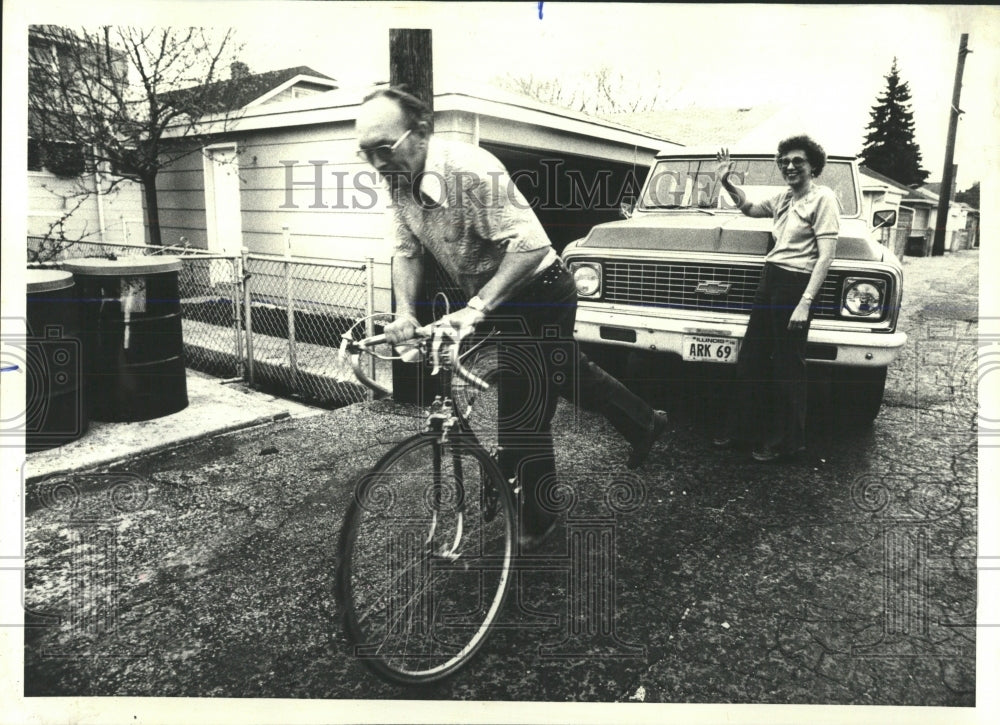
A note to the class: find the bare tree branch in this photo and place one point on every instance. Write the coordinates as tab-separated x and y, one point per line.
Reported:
600	92
113	92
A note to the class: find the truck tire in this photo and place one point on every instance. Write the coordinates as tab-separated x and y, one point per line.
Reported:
857	393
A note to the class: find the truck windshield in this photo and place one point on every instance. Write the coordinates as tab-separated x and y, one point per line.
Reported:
690	183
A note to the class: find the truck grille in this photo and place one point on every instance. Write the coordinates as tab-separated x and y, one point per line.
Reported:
663	284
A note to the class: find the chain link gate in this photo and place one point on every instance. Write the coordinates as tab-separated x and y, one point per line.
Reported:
297	311
273	321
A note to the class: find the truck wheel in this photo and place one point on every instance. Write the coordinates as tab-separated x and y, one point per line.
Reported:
858	393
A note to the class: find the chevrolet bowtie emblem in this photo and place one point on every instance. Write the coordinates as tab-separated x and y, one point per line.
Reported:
712	288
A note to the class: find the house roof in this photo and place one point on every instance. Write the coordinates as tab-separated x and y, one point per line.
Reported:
865	171
935	186
920	197
341	106
243	91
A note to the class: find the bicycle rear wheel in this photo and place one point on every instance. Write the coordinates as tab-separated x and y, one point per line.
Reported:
425	557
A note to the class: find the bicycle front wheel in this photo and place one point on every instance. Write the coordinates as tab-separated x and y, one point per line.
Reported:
425	557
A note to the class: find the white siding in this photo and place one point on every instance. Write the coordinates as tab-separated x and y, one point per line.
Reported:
50	197
342	218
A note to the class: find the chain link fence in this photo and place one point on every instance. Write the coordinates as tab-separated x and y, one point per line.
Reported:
275	322
297	311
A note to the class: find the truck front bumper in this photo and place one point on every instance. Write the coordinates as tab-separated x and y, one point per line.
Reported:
829	343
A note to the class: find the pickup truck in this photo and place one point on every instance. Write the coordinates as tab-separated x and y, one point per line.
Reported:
678	275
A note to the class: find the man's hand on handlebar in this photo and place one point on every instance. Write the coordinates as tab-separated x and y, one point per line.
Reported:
463	322
402	329
449	330
401	333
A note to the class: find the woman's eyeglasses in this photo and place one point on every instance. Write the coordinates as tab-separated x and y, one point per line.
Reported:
797	161
382	152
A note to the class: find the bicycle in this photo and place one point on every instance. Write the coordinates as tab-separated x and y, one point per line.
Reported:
427	546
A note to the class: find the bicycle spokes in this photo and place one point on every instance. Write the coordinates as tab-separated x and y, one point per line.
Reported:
424	570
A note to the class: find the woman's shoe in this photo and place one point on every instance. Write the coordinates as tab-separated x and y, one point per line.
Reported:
723	442
770	454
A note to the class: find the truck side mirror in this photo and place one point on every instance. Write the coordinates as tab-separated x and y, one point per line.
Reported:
628	206
883	218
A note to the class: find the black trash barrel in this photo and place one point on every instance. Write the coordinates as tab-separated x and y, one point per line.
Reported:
132	340
55	411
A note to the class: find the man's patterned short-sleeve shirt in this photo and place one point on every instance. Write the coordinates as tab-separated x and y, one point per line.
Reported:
470	214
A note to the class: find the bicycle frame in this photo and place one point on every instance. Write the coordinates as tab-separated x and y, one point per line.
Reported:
442	414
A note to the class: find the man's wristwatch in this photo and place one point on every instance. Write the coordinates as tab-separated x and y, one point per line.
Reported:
478	305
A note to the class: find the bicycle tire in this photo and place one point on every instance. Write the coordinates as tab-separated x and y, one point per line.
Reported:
411	613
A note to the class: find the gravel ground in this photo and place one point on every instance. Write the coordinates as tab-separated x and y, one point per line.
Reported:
848	578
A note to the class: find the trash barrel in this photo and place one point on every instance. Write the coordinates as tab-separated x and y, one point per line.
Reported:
55	410
133	345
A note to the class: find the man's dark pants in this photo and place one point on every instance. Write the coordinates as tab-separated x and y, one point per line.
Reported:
541	362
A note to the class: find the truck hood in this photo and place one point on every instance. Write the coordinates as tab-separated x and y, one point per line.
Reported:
720	233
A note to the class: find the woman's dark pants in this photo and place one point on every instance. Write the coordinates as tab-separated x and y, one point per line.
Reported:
771	371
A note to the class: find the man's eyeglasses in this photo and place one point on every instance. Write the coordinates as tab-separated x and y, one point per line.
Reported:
797	161
383	152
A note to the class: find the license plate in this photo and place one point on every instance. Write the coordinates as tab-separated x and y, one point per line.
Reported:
698	348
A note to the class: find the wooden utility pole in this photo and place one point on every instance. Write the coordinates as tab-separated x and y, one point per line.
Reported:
411	63
948	174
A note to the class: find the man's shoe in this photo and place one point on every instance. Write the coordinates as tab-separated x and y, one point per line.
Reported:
723	442
528	542
640	450
765	454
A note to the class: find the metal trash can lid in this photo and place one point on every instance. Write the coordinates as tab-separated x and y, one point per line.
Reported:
47	280
123	267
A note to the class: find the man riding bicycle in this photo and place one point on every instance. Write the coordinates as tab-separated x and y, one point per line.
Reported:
456	201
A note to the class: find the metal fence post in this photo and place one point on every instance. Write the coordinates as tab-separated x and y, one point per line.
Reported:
236	267
369	311
247	315
289	306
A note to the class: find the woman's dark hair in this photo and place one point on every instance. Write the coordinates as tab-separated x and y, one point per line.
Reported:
814	152
415	111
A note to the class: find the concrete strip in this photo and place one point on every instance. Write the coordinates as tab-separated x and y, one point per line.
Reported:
213	407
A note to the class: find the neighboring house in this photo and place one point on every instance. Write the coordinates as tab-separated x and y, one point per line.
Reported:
119	215
294	165
880	192
961	226
61	180
244	89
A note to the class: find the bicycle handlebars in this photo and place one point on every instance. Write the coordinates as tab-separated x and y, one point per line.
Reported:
354	348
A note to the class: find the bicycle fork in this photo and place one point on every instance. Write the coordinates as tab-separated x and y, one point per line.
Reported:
440	421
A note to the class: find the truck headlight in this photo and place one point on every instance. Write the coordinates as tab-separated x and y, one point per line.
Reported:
587	276
863	297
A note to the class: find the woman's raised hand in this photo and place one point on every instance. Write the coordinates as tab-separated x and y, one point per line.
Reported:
724	164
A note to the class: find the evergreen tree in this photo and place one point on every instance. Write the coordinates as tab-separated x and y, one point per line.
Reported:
889	146
970	196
